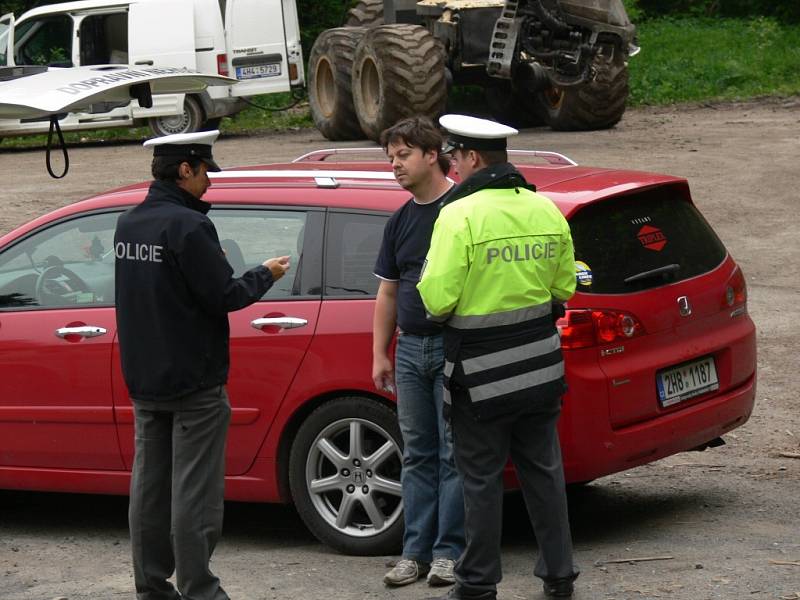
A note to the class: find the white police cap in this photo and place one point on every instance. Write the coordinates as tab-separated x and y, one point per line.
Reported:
474	133
187	145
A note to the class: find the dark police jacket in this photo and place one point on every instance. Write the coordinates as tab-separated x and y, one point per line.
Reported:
174	289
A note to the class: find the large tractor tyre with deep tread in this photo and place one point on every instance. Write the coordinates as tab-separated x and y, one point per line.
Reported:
598	104
398	72
513	107
330	94
344	474
366	13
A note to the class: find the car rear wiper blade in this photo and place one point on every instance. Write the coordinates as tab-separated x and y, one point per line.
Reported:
653	273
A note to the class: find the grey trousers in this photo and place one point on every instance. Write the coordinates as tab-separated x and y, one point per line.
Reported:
176	500
481	450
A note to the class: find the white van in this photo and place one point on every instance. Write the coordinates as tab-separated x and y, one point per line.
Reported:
254	41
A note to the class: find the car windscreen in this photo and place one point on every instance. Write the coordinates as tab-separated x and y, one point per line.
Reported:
642	240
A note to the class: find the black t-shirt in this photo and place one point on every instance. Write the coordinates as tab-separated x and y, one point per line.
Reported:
406	239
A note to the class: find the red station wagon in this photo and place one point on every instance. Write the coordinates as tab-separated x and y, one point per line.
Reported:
660	350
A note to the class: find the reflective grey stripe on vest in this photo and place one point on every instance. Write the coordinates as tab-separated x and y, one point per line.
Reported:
509	355
448	368
446	396
509	317
517	383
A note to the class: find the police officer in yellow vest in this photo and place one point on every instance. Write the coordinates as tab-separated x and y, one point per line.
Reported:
500	263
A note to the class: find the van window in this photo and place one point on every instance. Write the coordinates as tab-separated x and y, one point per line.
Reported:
4	28
46	41
651	238
352	244
104	39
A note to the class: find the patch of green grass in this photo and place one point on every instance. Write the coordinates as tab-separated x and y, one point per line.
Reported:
685	60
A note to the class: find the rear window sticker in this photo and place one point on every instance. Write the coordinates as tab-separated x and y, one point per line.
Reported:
652	238
583	273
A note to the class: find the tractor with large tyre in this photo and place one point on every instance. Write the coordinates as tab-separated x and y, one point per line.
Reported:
563	63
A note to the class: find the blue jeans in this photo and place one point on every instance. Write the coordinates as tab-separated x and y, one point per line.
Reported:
433	499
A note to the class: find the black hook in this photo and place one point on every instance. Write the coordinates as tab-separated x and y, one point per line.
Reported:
54	125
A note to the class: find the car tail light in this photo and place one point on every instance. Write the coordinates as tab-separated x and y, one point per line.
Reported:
293	72
583	328
735	290
222	65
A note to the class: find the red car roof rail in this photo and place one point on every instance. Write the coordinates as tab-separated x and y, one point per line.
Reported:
324	154
322	178
554	158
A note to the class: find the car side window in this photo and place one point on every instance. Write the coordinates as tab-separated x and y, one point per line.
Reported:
352	244
251	236
69	264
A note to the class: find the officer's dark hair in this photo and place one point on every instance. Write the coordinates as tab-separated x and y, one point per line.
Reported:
165	168
417	132
490	157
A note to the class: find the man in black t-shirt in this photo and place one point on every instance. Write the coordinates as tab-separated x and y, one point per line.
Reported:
433	499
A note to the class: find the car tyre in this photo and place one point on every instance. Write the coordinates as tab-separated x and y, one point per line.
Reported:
366	13
344	476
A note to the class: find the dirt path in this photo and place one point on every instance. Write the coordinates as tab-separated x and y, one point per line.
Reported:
725	518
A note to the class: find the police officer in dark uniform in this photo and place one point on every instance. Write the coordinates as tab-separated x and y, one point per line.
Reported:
174	290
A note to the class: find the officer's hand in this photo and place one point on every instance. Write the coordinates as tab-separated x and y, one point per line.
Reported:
278	266
383	374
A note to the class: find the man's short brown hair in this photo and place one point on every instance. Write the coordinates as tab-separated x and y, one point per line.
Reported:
417	132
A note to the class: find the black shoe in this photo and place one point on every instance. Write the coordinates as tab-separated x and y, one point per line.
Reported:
457	593
559	588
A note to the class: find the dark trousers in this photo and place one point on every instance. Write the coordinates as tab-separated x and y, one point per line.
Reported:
176	501
482	449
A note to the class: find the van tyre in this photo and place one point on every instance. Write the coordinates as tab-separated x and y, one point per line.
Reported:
344	476
399	71
190	120
366	13
598	104
330	94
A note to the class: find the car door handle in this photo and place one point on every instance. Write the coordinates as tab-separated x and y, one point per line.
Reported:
144	62
282	322
86	331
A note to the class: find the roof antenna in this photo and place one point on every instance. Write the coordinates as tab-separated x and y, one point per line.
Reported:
54	125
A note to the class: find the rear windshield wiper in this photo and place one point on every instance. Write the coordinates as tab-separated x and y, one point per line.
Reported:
653	273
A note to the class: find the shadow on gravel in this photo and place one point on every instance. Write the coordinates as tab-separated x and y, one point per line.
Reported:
79	514
599	511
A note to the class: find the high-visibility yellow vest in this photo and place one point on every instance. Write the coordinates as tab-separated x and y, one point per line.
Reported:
498	260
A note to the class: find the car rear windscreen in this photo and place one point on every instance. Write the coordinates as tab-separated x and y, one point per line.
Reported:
642	240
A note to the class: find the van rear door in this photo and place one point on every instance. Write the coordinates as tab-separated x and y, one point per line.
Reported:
7	40
161	34
256	46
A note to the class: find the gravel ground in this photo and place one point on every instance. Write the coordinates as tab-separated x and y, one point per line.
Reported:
721	522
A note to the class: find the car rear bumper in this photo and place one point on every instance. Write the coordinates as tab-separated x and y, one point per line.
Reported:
599	451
